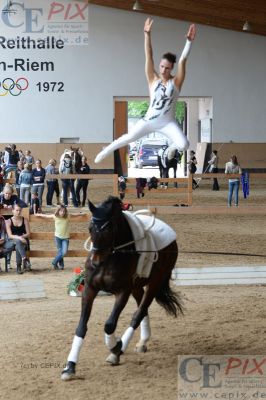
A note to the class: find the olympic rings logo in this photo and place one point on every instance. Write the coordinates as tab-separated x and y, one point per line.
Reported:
15	88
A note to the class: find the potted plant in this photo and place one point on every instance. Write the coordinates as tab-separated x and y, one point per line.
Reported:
76	285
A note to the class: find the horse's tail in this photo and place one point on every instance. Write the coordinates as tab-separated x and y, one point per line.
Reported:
169	300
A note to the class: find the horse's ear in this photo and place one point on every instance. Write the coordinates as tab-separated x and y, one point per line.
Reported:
92	207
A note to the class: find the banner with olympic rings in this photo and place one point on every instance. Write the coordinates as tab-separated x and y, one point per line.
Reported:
14	88
45	53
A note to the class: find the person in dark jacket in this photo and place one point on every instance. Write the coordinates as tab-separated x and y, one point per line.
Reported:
38	177
82	183
8	199
51	183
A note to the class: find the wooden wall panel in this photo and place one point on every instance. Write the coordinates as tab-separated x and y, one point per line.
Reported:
120	127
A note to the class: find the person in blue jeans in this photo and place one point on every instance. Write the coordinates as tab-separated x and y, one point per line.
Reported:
66	168
233	167
62	233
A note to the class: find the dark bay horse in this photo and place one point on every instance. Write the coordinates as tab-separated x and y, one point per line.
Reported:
168	157
111	266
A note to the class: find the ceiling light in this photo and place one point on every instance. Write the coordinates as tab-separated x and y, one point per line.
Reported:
246	27
137	6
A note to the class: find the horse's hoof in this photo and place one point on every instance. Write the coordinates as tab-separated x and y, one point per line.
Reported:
117	349
141	349
65	376
113	359
68	373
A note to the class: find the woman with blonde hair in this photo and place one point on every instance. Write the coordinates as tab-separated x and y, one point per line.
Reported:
25	182
8	198
62	233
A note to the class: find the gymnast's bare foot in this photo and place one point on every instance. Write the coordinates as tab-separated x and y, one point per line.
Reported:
100	156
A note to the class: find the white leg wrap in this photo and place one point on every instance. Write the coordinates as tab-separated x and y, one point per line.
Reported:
145	329
127	337
186	50
75	349
110	341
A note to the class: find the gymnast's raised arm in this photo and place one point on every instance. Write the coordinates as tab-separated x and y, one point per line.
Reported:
181	67
149	63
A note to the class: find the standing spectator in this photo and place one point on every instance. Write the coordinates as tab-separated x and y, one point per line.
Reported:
18	231
62	233
22	157
38	176
65	169
51	183
82	183
192	166
232	167
29	158
213	168
57	191
25	182
20	167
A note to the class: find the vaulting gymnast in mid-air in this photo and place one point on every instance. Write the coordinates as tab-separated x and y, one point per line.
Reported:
164	90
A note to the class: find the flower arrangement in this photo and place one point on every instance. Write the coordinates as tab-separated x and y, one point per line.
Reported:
76	285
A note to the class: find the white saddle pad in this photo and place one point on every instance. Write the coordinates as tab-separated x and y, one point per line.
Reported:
150	235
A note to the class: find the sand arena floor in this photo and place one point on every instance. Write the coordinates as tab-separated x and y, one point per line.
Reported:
36	334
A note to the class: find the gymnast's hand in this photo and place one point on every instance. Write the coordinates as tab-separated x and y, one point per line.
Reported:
147	25
191	32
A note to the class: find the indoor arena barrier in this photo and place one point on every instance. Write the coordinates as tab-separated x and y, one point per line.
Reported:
90	177
163	195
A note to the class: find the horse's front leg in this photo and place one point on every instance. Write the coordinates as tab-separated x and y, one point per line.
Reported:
87	302
112	343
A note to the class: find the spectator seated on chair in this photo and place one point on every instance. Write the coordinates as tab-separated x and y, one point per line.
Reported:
18	231
6	247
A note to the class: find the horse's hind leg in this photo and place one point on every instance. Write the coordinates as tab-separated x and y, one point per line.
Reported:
145	330
87	302
141	312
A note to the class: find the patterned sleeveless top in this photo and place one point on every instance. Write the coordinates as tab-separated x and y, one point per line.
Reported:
163	101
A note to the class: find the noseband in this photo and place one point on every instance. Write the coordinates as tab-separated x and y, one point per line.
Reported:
96	222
